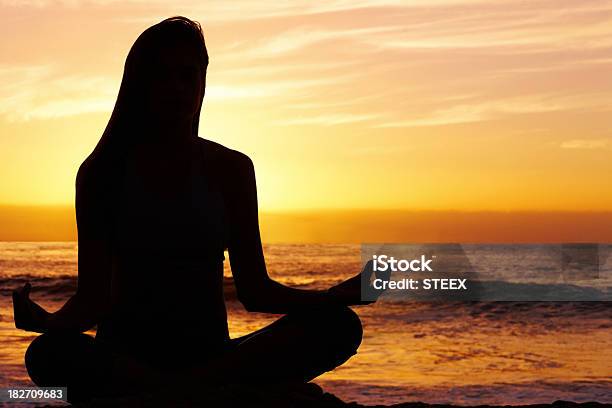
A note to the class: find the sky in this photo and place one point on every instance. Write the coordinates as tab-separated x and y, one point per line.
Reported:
466	105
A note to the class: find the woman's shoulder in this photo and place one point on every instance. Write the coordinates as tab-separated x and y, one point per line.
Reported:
95	172
87	170
229	159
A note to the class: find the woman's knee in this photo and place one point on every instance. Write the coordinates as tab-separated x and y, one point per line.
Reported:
345	325
41	361
51	359
338	328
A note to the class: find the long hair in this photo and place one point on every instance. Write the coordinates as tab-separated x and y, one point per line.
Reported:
126	126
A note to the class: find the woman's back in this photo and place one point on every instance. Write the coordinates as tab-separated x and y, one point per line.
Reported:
168	241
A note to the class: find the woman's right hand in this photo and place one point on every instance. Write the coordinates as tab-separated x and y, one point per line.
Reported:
357	290
29	316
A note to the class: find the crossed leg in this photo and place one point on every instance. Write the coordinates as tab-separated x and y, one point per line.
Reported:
296	348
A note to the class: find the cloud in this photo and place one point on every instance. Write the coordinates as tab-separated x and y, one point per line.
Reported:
223	92
380	150
44	91
328	119
297	38
263	89
589	144
41	92
220	10
412	64
491	109
450	116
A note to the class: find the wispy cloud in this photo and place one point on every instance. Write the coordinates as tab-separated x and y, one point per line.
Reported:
304	36
450	116
412	64
42	92
327	120
490	109
589	144
39	92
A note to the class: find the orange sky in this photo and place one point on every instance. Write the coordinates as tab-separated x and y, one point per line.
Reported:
362	104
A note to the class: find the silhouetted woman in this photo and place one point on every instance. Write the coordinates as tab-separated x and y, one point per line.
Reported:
156	207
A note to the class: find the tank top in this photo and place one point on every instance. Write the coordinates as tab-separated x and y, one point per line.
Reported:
167	304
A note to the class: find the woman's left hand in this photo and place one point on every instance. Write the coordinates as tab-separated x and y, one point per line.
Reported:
29	316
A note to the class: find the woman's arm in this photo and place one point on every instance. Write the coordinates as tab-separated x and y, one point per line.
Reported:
255	289
84	309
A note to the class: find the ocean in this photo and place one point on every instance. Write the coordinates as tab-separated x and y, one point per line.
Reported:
511	352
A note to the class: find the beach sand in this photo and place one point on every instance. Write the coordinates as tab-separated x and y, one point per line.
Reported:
241	396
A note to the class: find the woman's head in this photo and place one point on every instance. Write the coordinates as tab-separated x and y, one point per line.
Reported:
168	62
163	83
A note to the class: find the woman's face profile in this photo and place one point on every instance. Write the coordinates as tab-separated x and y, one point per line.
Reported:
175	83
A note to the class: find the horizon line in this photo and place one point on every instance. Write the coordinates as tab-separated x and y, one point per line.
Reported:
362	209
